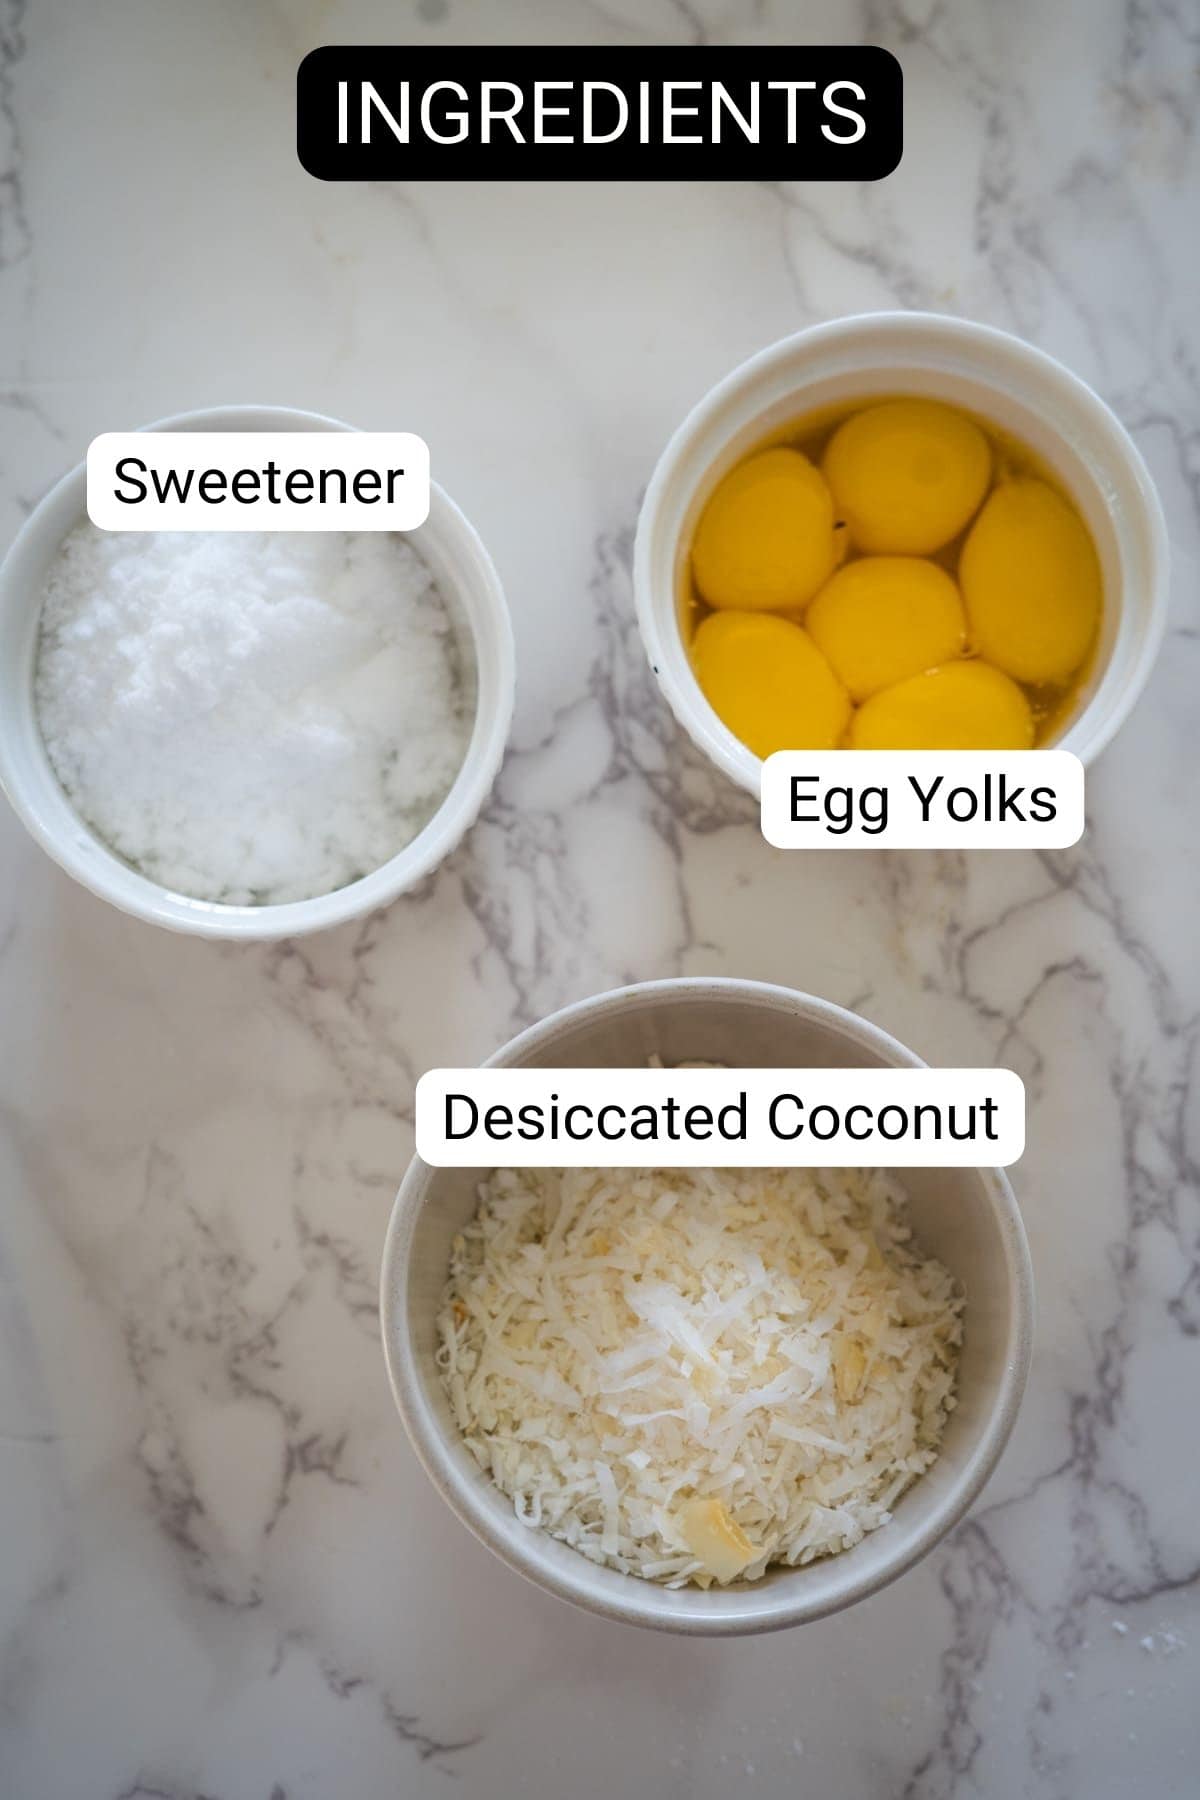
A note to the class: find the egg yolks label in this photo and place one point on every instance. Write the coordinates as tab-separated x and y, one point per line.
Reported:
923	799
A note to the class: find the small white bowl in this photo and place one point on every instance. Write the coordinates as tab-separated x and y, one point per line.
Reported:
467	577
990	373
966	1217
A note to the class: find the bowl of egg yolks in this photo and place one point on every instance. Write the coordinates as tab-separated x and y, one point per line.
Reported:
900	531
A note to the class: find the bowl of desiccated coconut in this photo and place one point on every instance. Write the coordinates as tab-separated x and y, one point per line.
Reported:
710	1401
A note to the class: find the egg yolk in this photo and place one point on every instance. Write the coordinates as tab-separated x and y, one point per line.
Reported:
907	475
765	541
1031	583
883	618
963	706
765	678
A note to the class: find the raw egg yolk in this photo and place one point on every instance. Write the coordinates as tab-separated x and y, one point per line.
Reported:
765	678
1031	583
907	475
765	541
885	617
964	706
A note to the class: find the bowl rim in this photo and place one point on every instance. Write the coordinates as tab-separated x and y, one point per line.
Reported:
108	877
661	643
645	1604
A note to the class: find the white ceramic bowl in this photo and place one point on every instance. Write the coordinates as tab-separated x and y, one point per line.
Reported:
990	373
967	1217
467	577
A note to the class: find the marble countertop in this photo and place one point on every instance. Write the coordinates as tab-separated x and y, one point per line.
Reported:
223	1574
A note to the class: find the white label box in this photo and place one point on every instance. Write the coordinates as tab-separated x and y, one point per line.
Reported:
258	481
922	799
720	1118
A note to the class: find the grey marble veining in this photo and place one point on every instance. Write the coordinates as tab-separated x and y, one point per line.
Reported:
223	1574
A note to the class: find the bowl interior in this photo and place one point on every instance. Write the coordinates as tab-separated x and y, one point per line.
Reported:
472	593
997	377
966	1217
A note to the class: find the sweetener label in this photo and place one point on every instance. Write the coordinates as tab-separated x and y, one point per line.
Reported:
922	799
720	1118
258	481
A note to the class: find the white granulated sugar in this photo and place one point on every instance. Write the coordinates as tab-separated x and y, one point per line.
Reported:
250	717
692	1374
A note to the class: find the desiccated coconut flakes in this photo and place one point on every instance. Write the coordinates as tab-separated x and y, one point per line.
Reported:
692	1374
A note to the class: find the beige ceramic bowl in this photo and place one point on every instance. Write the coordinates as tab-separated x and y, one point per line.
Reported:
967	1217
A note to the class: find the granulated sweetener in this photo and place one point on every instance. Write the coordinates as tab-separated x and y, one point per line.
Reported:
250	717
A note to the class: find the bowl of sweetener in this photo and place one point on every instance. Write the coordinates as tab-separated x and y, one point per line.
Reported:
250	734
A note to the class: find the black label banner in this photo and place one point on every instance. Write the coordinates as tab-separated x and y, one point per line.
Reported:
582	113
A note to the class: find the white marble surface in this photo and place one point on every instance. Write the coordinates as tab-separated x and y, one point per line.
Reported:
222	1573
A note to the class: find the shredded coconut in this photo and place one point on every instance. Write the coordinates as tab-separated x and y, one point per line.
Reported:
250	716
693	1374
